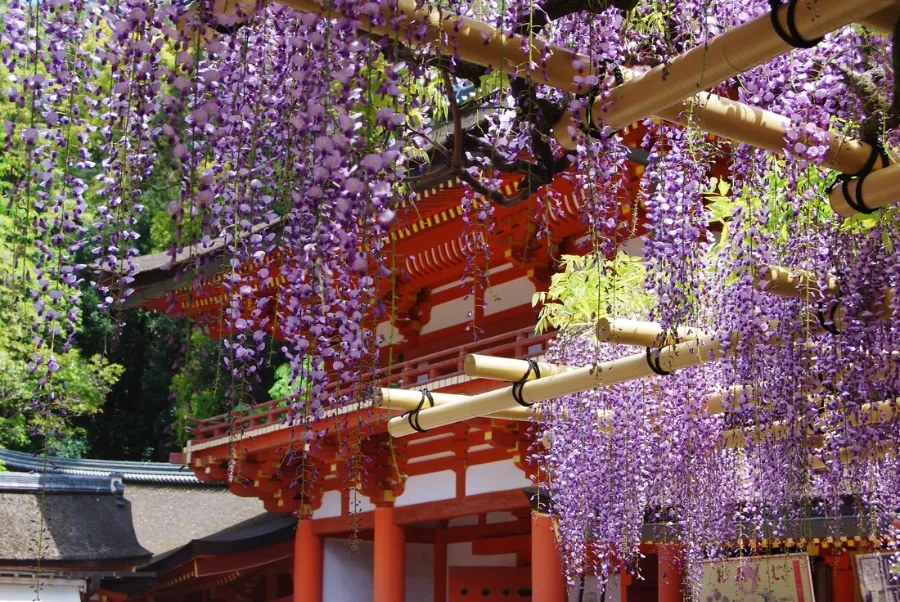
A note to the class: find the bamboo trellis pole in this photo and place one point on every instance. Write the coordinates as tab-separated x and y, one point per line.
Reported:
728	54
882	21
673	357
762	129
871	413
408	400
642	334
775	280
690	353
507	369
879	189
785	282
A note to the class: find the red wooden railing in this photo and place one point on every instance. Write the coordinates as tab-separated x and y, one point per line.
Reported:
414	373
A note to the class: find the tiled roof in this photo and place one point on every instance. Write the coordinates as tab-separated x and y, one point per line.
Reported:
137	472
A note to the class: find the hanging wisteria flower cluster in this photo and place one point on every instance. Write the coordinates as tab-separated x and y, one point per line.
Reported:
292	133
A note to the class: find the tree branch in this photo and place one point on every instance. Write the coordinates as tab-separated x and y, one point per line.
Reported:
456	160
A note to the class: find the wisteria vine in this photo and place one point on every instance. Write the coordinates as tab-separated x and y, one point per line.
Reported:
293	134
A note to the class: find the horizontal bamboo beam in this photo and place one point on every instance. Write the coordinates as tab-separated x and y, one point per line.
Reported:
484	45
786	282
673	357
729	54
715	403
776	280
407	400
883	21
641	334
632	367
761	129
879	189
848	455
507	369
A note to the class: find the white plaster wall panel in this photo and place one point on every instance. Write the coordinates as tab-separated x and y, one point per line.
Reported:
463	521
331	505
495	476
613	591
633	247
387	334
22	589
360	503
508	295
464	285
347	576
419	572
460	554
500	517
498	268
428	488
451	313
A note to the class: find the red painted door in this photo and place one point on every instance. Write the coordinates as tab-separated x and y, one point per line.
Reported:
489	584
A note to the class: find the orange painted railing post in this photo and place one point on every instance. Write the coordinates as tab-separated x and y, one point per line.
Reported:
390	558
307	563
548	583
440	565
671	576
842	583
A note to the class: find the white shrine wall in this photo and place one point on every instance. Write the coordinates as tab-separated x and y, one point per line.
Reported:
450	313
52	589
495	476
504	296
430	487
508	295
348	576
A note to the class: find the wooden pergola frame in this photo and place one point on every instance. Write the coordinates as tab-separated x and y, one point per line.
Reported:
640	95
700	349
668	91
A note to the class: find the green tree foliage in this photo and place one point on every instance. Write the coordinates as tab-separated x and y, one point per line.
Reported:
199	387
136	418
286	384
81	383
592	287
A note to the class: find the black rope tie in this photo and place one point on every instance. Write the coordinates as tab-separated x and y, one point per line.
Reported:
412	416
858	204
590	128
520	384
828	324
792	36
653	362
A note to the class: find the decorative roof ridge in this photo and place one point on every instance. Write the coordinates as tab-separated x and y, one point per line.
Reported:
136	472
23	482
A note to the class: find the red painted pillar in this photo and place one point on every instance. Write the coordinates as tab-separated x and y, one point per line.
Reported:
548	583
440	565
390	558
307	564
624	582
670	575
842	583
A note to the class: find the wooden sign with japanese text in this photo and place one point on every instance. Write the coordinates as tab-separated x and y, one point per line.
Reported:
783	578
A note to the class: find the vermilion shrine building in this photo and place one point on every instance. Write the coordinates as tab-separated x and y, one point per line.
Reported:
464	523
